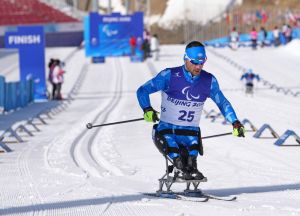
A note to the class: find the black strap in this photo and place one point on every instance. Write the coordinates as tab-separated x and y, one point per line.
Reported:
172	150
179	132
194	147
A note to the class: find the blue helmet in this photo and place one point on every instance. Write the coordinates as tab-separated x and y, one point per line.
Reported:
196	55
249	71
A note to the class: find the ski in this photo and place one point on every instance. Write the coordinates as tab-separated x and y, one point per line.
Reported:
178	197
192	199
219	198
199	193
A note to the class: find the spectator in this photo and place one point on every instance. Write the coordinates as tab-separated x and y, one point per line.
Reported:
234	39
132	43
283	28
139	43
253	35
57	79
264	17
283	32
146	35
264	34
154	46
276	36
146	49
51	65
288	34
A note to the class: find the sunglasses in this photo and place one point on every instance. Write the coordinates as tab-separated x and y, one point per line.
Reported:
200	61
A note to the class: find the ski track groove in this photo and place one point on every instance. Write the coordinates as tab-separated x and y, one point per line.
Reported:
81	138
116	100
25	172
100	161
80	79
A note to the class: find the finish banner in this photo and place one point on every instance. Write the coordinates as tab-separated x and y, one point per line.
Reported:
30	42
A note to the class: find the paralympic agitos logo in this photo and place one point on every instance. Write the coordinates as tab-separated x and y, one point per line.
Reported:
188	94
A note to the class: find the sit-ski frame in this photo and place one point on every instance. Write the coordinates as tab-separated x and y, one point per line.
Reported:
167	180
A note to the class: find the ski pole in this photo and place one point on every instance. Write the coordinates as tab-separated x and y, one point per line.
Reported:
217	135
90	125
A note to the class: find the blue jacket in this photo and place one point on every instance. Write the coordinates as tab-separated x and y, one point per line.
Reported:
249	77
161	82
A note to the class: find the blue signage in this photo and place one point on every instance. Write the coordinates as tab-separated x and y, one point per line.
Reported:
98	59
108	35
30	41
285	136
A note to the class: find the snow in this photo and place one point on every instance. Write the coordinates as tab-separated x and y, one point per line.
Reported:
68	170
116	5
291	48
179	11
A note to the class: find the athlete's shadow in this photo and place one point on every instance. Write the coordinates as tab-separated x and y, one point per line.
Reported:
69	204
254	189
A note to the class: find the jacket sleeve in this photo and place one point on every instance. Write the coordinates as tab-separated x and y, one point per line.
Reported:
223	104
243	77
159	83
257	77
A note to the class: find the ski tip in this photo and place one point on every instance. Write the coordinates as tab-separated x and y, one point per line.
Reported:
233	198
223	198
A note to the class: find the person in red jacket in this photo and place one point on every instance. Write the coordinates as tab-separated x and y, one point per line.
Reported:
132	43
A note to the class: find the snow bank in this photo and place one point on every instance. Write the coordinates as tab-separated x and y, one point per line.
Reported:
292	48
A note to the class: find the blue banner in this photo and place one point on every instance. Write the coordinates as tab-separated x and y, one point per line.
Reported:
109	35
30	41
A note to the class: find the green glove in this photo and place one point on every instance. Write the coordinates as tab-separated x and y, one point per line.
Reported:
238	129
150	115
